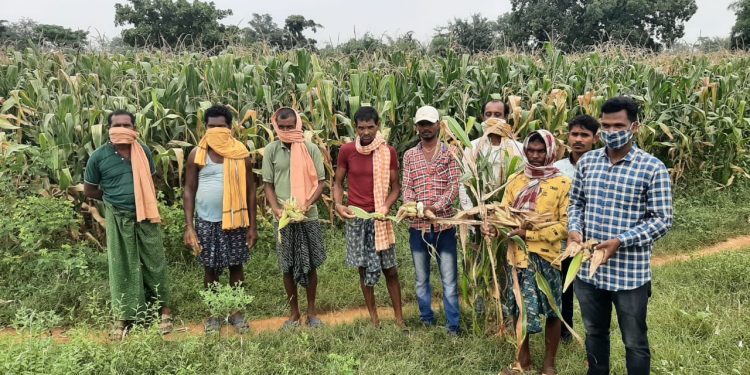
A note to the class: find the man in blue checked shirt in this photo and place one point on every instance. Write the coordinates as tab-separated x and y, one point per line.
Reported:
622	197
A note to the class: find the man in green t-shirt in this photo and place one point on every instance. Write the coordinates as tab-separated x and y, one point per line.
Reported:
137	267
293	168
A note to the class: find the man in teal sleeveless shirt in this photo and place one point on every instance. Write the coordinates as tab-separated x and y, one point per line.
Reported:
223	230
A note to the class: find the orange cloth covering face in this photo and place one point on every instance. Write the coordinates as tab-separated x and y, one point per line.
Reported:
234	211
381	164
146	207
302	174
498	127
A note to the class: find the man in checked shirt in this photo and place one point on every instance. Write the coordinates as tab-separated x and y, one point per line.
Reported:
622	198
431	176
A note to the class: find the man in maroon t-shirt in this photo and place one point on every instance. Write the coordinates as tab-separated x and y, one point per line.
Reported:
371	168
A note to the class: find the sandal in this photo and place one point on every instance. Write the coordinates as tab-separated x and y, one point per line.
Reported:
166	325
290	324
239	323
118	332
213	325
404	329
516	369
314	322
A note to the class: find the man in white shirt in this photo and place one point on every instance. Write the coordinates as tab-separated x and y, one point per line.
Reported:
582	135
496	142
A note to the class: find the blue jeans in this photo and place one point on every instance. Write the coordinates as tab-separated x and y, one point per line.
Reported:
444	243
631	307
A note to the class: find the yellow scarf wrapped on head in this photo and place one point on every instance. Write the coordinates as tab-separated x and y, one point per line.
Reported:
235	211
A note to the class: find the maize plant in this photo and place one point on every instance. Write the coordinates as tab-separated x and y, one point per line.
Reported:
694	107
485	272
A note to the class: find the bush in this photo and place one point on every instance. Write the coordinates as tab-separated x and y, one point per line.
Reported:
33	223
224	300
173	227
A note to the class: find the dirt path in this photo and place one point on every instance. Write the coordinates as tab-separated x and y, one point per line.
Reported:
385	313
182	331
734	244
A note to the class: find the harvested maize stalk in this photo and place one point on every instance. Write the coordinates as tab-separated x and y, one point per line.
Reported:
574	248
362	214
580	253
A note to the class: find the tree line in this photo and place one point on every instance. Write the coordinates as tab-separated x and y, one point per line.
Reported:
572	25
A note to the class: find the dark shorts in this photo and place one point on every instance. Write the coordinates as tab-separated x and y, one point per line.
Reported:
360	250
301	249
221	248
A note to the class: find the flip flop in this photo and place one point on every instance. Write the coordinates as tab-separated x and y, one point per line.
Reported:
314	322
516	369
166	325
239	323
290	324
213	325
118	332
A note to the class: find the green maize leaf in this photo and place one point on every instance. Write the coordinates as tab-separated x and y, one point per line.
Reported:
575	266
284	220
360	213
470	123
65	178
179	155
97	134
177	143
8	104
353	105
515	164
457	131
519	242
543	285
5	124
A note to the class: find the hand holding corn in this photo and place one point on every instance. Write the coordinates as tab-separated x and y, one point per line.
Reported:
609	247
575	237
344	211
362	214
291	213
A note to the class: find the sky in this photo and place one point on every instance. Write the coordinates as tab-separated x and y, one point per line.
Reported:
341	19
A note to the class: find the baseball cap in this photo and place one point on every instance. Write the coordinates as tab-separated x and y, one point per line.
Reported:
427	113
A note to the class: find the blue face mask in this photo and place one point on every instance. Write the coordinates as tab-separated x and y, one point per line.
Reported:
618	139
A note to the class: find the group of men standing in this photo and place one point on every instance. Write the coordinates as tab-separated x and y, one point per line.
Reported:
618	195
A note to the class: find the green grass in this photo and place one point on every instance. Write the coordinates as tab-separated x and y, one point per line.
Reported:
698	325
703	217
338	284
72	280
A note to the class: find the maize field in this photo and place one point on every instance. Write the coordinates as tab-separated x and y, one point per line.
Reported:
694	108
694	116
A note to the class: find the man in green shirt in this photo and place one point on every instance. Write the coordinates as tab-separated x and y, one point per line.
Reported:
137	266
293	168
